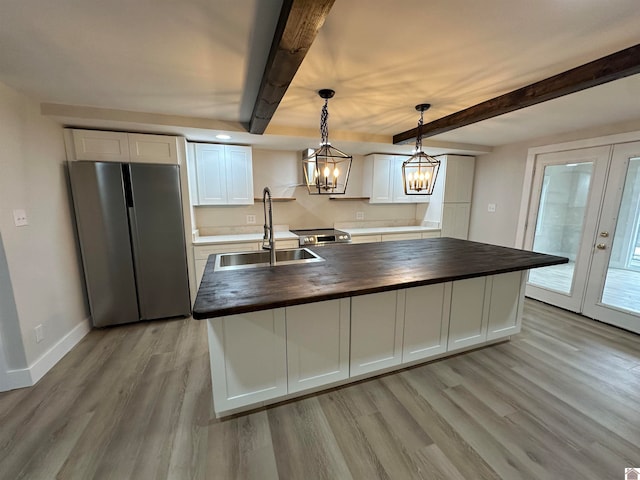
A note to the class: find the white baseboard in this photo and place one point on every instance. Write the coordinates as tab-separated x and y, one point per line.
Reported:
27	377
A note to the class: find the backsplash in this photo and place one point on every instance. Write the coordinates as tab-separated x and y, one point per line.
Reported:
279	170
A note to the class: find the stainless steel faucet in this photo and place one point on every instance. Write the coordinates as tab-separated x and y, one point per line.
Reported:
268	229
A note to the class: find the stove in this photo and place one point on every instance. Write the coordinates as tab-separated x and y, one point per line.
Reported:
321	236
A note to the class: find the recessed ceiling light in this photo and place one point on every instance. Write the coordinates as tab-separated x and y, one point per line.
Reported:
222	136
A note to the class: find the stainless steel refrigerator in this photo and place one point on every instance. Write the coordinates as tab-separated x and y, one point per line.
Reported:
130	226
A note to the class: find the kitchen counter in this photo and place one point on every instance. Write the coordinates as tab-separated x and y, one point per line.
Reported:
353	270
241	238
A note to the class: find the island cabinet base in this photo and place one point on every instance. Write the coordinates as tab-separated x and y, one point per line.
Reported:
264	357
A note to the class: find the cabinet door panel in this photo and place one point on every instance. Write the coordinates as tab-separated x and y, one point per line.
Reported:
382	186
153	148
426	321
211	174
248	358
506	305
317	344
101	146
455	220
468	317
459	179
376	332
239	175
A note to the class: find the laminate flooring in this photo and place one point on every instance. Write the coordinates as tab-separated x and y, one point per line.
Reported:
560	400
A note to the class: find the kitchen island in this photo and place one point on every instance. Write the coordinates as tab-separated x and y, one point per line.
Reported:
283	331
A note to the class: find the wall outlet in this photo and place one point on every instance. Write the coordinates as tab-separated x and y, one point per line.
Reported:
251	219
20	217
39	333
359	215
491	208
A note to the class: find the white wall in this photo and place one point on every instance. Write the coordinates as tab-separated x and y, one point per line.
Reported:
499	178
42	263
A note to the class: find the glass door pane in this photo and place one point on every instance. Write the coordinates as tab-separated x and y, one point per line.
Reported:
622	280
560	222
567	193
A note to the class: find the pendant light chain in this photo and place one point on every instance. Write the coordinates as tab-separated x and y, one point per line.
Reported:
419	136
324	129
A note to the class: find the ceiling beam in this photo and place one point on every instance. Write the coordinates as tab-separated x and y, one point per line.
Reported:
606	69
298	25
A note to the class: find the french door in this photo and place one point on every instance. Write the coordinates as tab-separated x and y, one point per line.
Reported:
586	206
613	290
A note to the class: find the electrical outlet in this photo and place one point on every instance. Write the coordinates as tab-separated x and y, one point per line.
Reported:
491	208
39	333
251	219
20	217
359	215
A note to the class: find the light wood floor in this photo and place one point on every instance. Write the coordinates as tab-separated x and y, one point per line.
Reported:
561	400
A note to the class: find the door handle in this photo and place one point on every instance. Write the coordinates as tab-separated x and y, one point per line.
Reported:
601	246
604	234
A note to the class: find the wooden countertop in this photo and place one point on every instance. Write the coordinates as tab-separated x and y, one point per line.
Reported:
357	269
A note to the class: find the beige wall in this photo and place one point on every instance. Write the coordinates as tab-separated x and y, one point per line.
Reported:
281	171
499	178
40	262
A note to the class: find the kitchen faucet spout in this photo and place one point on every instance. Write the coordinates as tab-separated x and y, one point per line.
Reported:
268	226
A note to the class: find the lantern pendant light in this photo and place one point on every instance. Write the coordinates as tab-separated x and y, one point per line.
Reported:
326	169
420	170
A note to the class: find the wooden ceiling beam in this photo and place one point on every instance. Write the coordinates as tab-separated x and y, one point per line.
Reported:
298	25
606	69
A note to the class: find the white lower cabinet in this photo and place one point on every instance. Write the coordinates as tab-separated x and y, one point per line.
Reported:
426	321
365	238
505	307
392	237
467	318
201	254
317	344
376	331
485	309
262	357
248	358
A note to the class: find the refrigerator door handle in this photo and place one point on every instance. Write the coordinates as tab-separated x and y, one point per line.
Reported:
126	180
135	247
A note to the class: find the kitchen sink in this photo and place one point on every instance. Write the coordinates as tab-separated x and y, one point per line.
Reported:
241	260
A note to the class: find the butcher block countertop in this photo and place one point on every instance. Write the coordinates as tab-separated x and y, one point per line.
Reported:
357	269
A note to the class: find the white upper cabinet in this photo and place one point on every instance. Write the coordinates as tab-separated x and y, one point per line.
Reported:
100	146
104	146
382	181
144	148
224	174
458	178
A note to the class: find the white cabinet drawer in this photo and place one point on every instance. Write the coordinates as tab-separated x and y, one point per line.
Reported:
391	237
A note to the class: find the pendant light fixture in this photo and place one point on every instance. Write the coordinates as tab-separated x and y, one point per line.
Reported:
420	170
326	169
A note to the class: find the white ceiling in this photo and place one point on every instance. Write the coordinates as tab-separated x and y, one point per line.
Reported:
195	65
